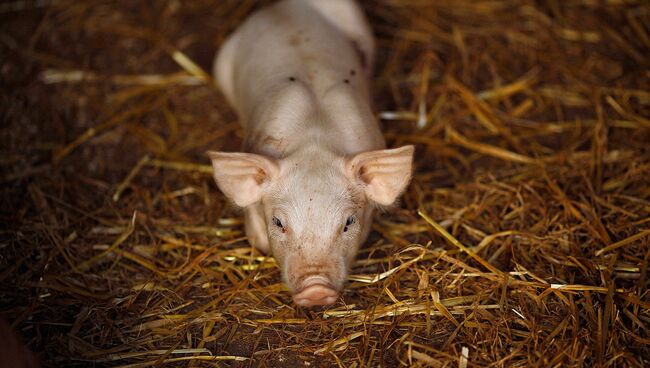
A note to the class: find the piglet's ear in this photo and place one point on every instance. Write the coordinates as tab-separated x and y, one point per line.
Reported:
384	174
242	176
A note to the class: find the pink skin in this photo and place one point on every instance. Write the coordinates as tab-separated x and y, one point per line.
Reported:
315	164
316	291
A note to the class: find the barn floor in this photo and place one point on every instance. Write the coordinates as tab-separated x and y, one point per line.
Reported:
523	240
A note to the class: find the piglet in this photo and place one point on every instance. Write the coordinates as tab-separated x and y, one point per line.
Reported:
314	163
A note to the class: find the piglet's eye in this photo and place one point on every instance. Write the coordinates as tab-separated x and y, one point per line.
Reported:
348	222
277	222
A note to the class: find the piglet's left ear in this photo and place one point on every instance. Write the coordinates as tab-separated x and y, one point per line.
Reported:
384	174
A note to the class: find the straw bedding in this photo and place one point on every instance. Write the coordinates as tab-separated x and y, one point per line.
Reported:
522	240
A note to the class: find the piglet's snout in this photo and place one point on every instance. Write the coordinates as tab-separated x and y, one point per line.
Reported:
315	290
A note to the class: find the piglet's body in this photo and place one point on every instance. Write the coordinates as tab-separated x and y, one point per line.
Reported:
314	164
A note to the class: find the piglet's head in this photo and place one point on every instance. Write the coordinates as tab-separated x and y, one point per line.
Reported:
316	209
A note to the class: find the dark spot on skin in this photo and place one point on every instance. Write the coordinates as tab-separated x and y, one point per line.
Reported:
353	72
347	81
292	79
295	39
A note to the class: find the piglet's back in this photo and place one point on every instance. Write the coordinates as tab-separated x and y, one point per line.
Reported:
315	42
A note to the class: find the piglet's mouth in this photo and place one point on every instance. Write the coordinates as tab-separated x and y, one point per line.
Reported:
314	291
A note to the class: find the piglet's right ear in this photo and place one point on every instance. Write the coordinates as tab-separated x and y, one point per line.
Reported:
243	176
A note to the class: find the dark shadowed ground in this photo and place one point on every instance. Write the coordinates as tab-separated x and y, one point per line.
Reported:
530	247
